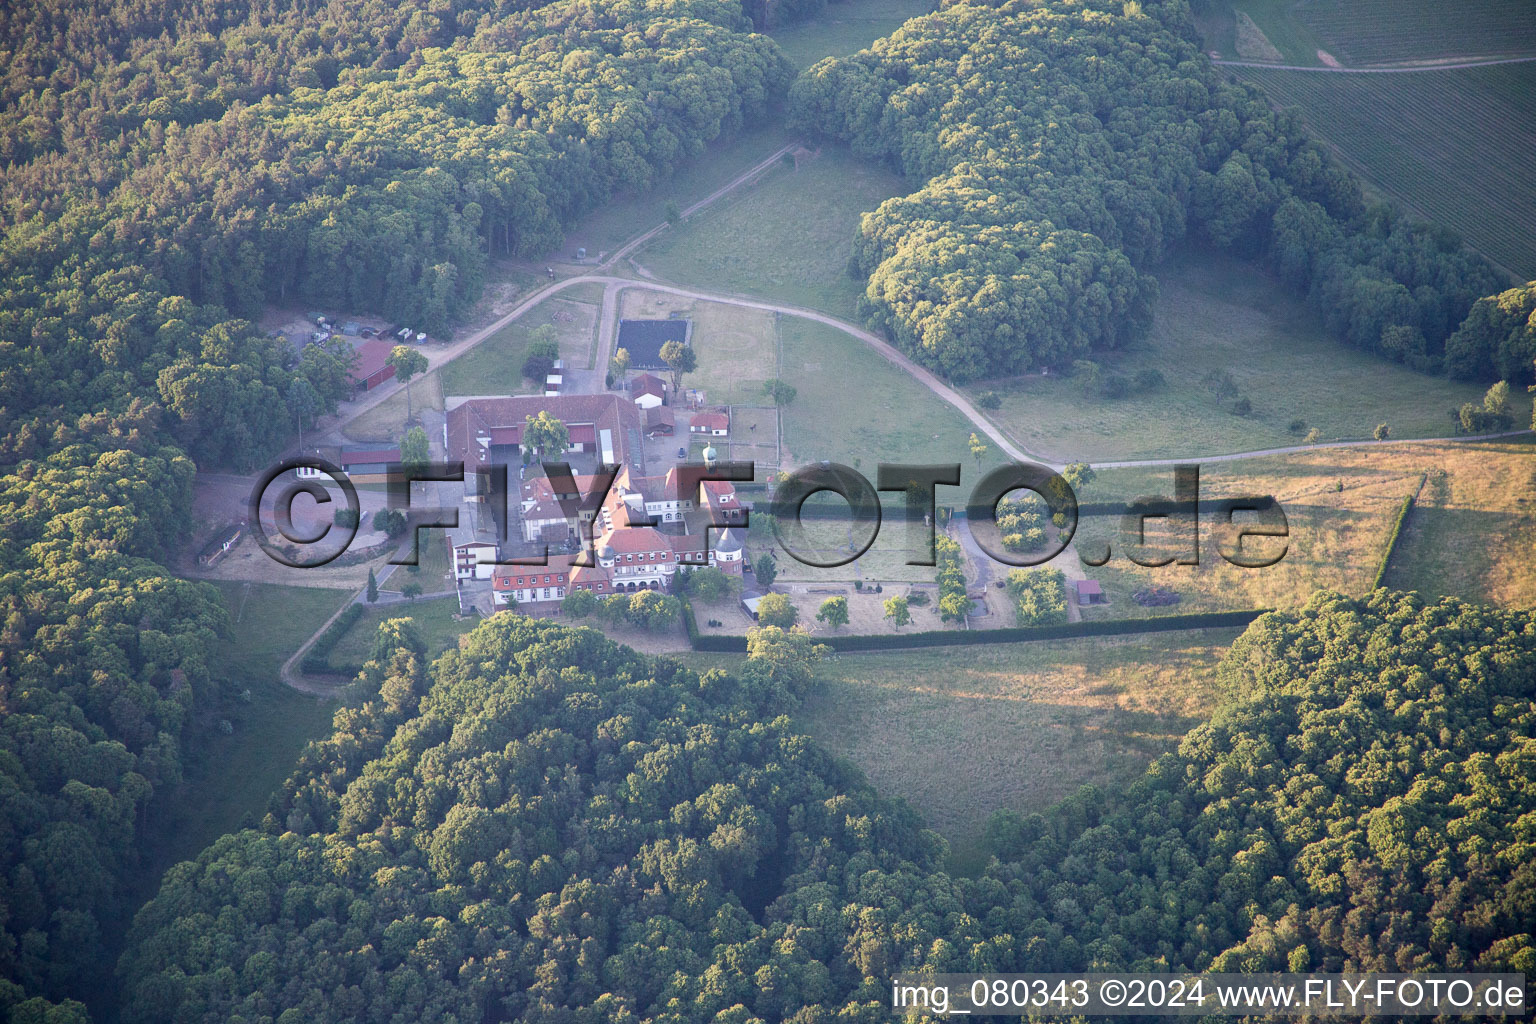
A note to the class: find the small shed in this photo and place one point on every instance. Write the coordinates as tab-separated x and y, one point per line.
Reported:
220	545
371	464
659	422
712	424
648	391
1089	592
749	605
372	368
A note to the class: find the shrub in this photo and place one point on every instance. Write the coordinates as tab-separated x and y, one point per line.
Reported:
1298	426
776	610
989	400
543	350
765	569
1039	596
1242	407
1114	385
390	521
709	584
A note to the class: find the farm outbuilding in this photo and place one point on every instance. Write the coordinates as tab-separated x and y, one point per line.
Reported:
648	391
711	424
369	464
372	367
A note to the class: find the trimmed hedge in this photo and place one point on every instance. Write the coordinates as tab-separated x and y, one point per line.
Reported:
691	624
1397	530
1013	635
318	660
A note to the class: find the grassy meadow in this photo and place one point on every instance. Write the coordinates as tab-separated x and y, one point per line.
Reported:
231	777
845	27
495	366
1471	535
788	238
616	222
960	733
435	619
1217	313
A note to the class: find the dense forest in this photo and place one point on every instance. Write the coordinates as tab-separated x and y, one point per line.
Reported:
169	170
545	826
1063	148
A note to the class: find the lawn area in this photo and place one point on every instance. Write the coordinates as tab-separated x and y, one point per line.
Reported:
386	421
961	733
1454	146
1473	532
432	570
844	28
435	619
787	238
853	407
495	366
616	222
1218	313
231	777
887	416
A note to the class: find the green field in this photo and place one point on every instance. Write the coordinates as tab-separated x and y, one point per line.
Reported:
1295	40
495	366
1383	31
231	777
853	407
844	28
1453	146
788	238
1359	33
616	222
435	619
1215	312
1011	727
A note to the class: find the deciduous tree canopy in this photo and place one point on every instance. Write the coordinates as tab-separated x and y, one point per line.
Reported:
544	823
